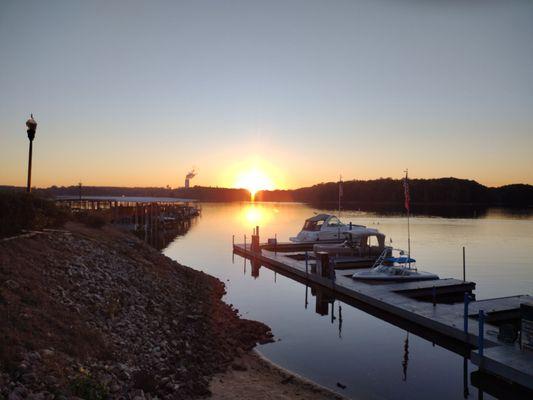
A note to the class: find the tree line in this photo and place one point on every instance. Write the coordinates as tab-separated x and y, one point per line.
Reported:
442	191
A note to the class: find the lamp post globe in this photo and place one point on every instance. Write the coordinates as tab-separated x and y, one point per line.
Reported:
31	124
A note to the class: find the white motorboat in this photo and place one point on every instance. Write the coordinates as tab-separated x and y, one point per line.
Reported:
394	269
324	227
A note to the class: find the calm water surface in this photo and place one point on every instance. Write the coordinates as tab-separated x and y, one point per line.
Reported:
373	358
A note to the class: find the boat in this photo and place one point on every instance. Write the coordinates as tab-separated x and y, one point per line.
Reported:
361	241
324	227
361	248
394	269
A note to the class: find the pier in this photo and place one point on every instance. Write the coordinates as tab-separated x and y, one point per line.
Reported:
156	221
443	310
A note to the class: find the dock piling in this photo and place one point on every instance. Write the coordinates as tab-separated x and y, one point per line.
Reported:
323	264
256	247
434	295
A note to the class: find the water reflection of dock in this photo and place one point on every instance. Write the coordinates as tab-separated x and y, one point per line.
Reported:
428	308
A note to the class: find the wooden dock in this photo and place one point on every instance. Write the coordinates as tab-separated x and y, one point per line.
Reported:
156	221
427	305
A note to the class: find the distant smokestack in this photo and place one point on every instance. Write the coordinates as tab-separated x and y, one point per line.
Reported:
188	177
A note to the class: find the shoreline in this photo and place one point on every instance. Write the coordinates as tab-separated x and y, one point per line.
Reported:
301	378
56	267
252	375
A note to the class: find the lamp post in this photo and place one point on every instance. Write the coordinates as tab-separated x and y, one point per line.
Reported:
32	127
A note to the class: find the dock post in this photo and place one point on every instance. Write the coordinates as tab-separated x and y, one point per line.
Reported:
464	265
350	225
323	262
244	242
256	248
481	320
275	243
434	295
233	240
306	262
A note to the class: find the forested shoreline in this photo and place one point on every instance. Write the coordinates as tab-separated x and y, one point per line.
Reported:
441	191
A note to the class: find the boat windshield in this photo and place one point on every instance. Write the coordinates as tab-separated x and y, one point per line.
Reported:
382	268
393	270
334	222
313	225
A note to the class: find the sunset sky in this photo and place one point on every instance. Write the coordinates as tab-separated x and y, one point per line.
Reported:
136	93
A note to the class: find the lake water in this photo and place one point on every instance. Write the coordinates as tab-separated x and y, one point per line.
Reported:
372	358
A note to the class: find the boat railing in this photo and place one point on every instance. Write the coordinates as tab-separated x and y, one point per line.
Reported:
381	257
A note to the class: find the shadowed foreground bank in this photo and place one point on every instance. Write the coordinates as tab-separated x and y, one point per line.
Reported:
254	377
98	314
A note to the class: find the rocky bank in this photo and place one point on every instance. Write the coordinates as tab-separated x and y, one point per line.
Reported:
96	313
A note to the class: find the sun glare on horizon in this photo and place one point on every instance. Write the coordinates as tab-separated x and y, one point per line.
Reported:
254	180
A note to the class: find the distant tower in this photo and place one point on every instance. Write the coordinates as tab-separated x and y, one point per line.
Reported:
188	178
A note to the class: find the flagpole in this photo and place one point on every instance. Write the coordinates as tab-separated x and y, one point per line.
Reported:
340	188
408	239
340	183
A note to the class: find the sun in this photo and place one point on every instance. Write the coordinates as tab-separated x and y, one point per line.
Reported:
253	180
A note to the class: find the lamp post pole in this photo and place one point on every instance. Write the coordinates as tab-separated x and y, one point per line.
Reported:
32	127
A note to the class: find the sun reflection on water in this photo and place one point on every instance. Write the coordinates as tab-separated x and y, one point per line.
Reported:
255	214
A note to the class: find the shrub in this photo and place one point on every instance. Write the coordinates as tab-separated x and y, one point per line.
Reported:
21	211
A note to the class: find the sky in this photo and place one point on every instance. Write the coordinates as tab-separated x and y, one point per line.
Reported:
137	93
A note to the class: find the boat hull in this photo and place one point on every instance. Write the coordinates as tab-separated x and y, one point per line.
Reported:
421	276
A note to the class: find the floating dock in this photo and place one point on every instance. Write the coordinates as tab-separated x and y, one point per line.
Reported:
435	307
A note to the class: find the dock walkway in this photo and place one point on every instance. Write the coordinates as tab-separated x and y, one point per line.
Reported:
400	299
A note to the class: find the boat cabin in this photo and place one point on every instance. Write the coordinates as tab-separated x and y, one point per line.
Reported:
321	222
359	242
366	242
323	227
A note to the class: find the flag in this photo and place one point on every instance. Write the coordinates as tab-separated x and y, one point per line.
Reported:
406	193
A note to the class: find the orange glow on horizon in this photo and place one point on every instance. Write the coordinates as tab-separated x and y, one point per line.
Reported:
253	180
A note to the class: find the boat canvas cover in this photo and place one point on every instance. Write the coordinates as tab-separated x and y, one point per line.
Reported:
319	217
